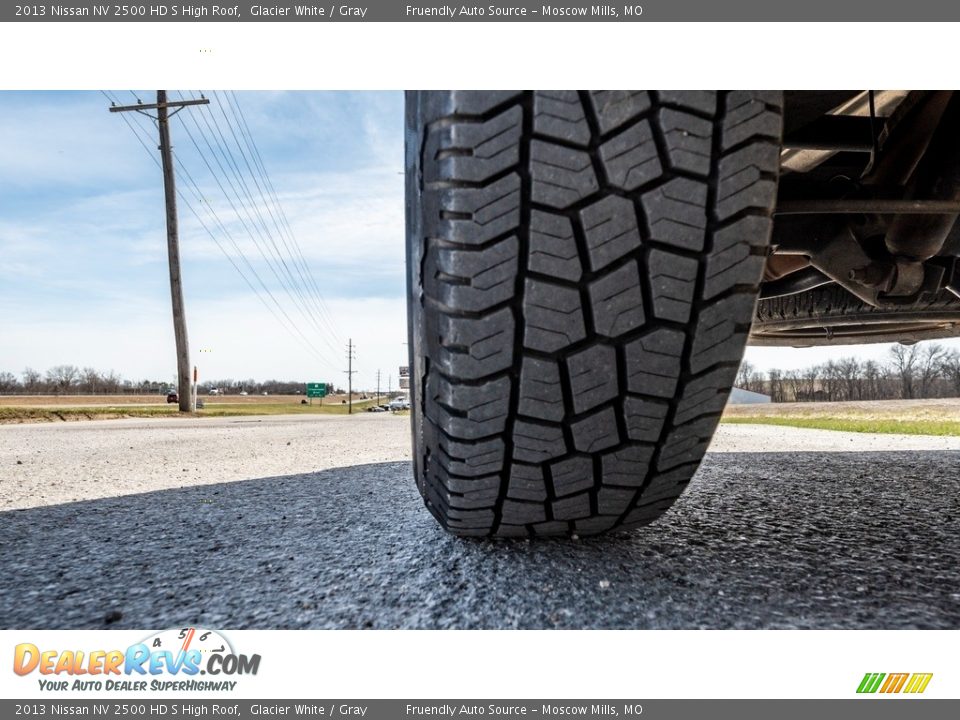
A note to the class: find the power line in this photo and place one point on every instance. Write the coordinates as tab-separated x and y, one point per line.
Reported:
198	194
272	193
234	178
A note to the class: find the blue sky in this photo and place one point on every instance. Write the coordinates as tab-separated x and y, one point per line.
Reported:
83	268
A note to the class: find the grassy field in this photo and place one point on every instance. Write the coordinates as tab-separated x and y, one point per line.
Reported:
38	408
905	417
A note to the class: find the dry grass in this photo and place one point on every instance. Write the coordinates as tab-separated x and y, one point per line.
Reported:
906	417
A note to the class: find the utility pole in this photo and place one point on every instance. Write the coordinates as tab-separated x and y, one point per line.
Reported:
184	388
378	387
351	356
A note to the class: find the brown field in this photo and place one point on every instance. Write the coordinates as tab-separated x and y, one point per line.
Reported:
47	408
938	409
902	417
59	401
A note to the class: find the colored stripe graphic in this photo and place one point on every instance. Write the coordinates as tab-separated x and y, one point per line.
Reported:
918	682
894	683
870	682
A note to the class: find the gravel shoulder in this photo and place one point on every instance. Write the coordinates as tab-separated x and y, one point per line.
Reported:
85	460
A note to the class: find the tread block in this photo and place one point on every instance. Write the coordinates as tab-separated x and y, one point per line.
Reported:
675	213
686	443
471	459
668	485
553	317
473	216
593	377
522	513
475	347
611	230
468	411
460	519
627	466
704	101
614	108
541	395
474	499
613	501
750	115
475	151
747	180
705	394
475	280
596	432
737	258
571	475
572	508
689	140
638	517
505	530
553	247
537	443
673	284
595	525
630	159
559	114
616	300
553	527
526	482
561	176
653	362
721	331
644	418
454	484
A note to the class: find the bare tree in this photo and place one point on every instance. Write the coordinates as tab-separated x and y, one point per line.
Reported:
930	367
8	382
62	377
32	380
872	375
903	359
850	372
950	369
777	386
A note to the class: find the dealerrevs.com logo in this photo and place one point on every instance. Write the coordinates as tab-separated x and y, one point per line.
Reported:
169	660
911	683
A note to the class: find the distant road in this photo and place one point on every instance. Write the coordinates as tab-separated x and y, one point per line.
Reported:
155	523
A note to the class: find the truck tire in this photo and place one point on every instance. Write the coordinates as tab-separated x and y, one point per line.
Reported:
583	272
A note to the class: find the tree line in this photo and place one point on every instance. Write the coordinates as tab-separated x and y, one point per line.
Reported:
920	371
73	380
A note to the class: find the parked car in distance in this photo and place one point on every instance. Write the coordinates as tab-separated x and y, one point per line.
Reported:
172	397
400	403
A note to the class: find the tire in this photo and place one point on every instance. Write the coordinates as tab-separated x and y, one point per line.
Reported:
583	271
830	315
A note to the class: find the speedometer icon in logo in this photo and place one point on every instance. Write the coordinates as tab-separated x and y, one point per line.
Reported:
179	641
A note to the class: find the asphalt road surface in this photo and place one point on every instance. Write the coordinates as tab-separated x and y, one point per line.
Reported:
781	528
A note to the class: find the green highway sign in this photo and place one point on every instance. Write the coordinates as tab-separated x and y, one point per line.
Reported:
316	390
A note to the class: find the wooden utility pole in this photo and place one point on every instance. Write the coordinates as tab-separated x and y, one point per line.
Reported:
185	394
378	387
350	371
